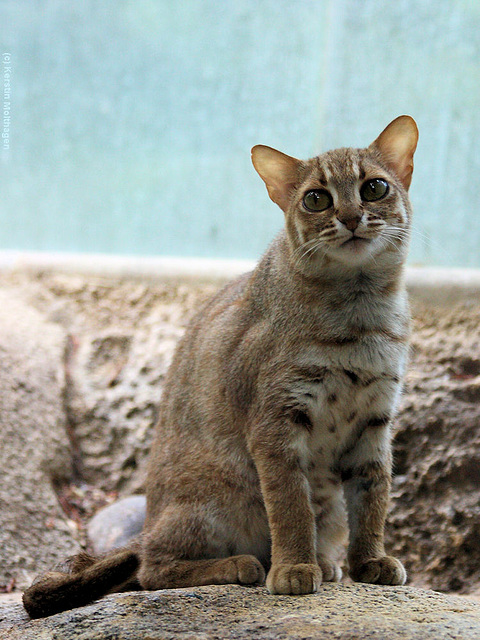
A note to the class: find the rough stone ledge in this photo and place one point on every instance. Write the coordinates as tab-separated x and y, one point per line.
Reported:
435	285
346	612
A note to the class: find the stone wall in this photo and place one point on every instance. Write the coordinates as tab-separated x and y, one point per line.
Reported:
113	343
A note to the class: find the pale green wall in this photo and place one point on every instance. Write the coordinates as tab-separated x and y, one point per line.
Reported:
132	120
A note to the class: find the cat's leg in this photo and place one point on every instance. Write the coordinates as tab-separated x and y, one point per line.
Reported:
331	525
366	474
186	548
286	490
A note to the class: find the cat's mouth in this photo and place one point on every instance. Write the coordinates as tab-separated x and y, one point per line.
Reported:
354	249
356	242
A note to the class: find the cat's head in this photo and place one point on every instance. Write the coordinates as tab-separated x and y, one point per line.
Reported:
348	205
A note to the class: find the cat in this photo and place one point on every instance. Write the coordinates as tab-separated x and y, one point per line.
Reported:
274	437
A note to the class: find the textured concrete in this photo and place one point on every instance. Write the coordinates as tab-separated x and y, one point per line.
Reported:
435	285
434	522
347	612
123	334
35	451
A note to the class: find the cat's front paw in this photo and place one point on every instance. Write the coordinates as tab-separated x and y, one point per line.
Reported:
331	571
294	579
244	569
385	570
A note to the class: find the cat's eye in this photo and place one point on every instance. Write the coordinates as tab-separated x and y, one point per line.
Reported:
375	189
317	200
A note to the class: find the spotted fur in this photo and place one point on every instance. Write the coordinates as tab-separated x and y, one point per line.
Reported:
275	426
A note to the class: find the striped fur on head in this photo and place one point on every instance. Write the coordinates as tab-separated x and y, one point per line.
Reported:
352	230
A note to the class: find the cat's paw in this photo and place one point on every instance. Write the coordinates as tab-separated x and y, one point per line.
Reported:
331	571
244	569
386	570
294	579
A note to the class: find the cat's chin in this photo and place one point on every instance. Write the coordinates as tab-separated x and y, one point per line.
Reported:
355	251
357	245
351	254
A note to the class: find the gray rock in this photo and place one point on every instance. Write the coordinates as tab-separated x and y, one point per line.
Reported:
117	524
123	335
116	374
35	451
434	525
349	612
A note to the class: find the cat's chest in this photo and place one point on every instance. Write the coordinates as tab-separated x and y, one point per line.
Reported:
343	387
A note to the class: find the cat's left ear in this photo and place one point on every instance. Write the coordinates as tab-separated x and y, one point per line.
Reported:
279	172
397	144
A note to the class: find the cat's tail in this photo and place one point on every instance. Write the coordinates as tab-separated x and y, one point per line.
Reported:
86	579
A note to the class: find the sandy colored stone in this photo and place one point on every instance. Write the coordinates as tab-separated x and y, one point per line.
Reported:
121	338
434	525
122	335
347	612
35	451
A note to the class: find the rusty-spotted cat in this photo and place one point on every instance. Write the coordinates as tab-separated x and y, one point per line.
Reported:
274	437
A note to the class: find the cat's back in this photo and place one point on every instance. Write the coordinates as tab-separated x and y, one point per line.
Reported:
212	328
198	378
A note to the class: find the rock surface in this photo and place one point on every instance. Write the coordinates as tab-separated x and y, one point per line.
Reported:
121	340
121	337
349	612
35	450
435	520
115	525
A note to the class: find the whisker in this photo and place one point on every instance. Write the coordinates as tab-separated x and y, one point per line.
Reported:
302	247
426	239
389	240
305	249
311	249
395	236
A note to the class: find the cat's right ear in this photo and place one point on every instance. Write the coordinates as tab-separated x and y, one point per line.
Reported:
279	172
397	144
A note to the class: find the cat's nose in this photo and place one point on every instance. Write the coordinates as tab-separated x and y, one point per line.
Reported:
351	220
